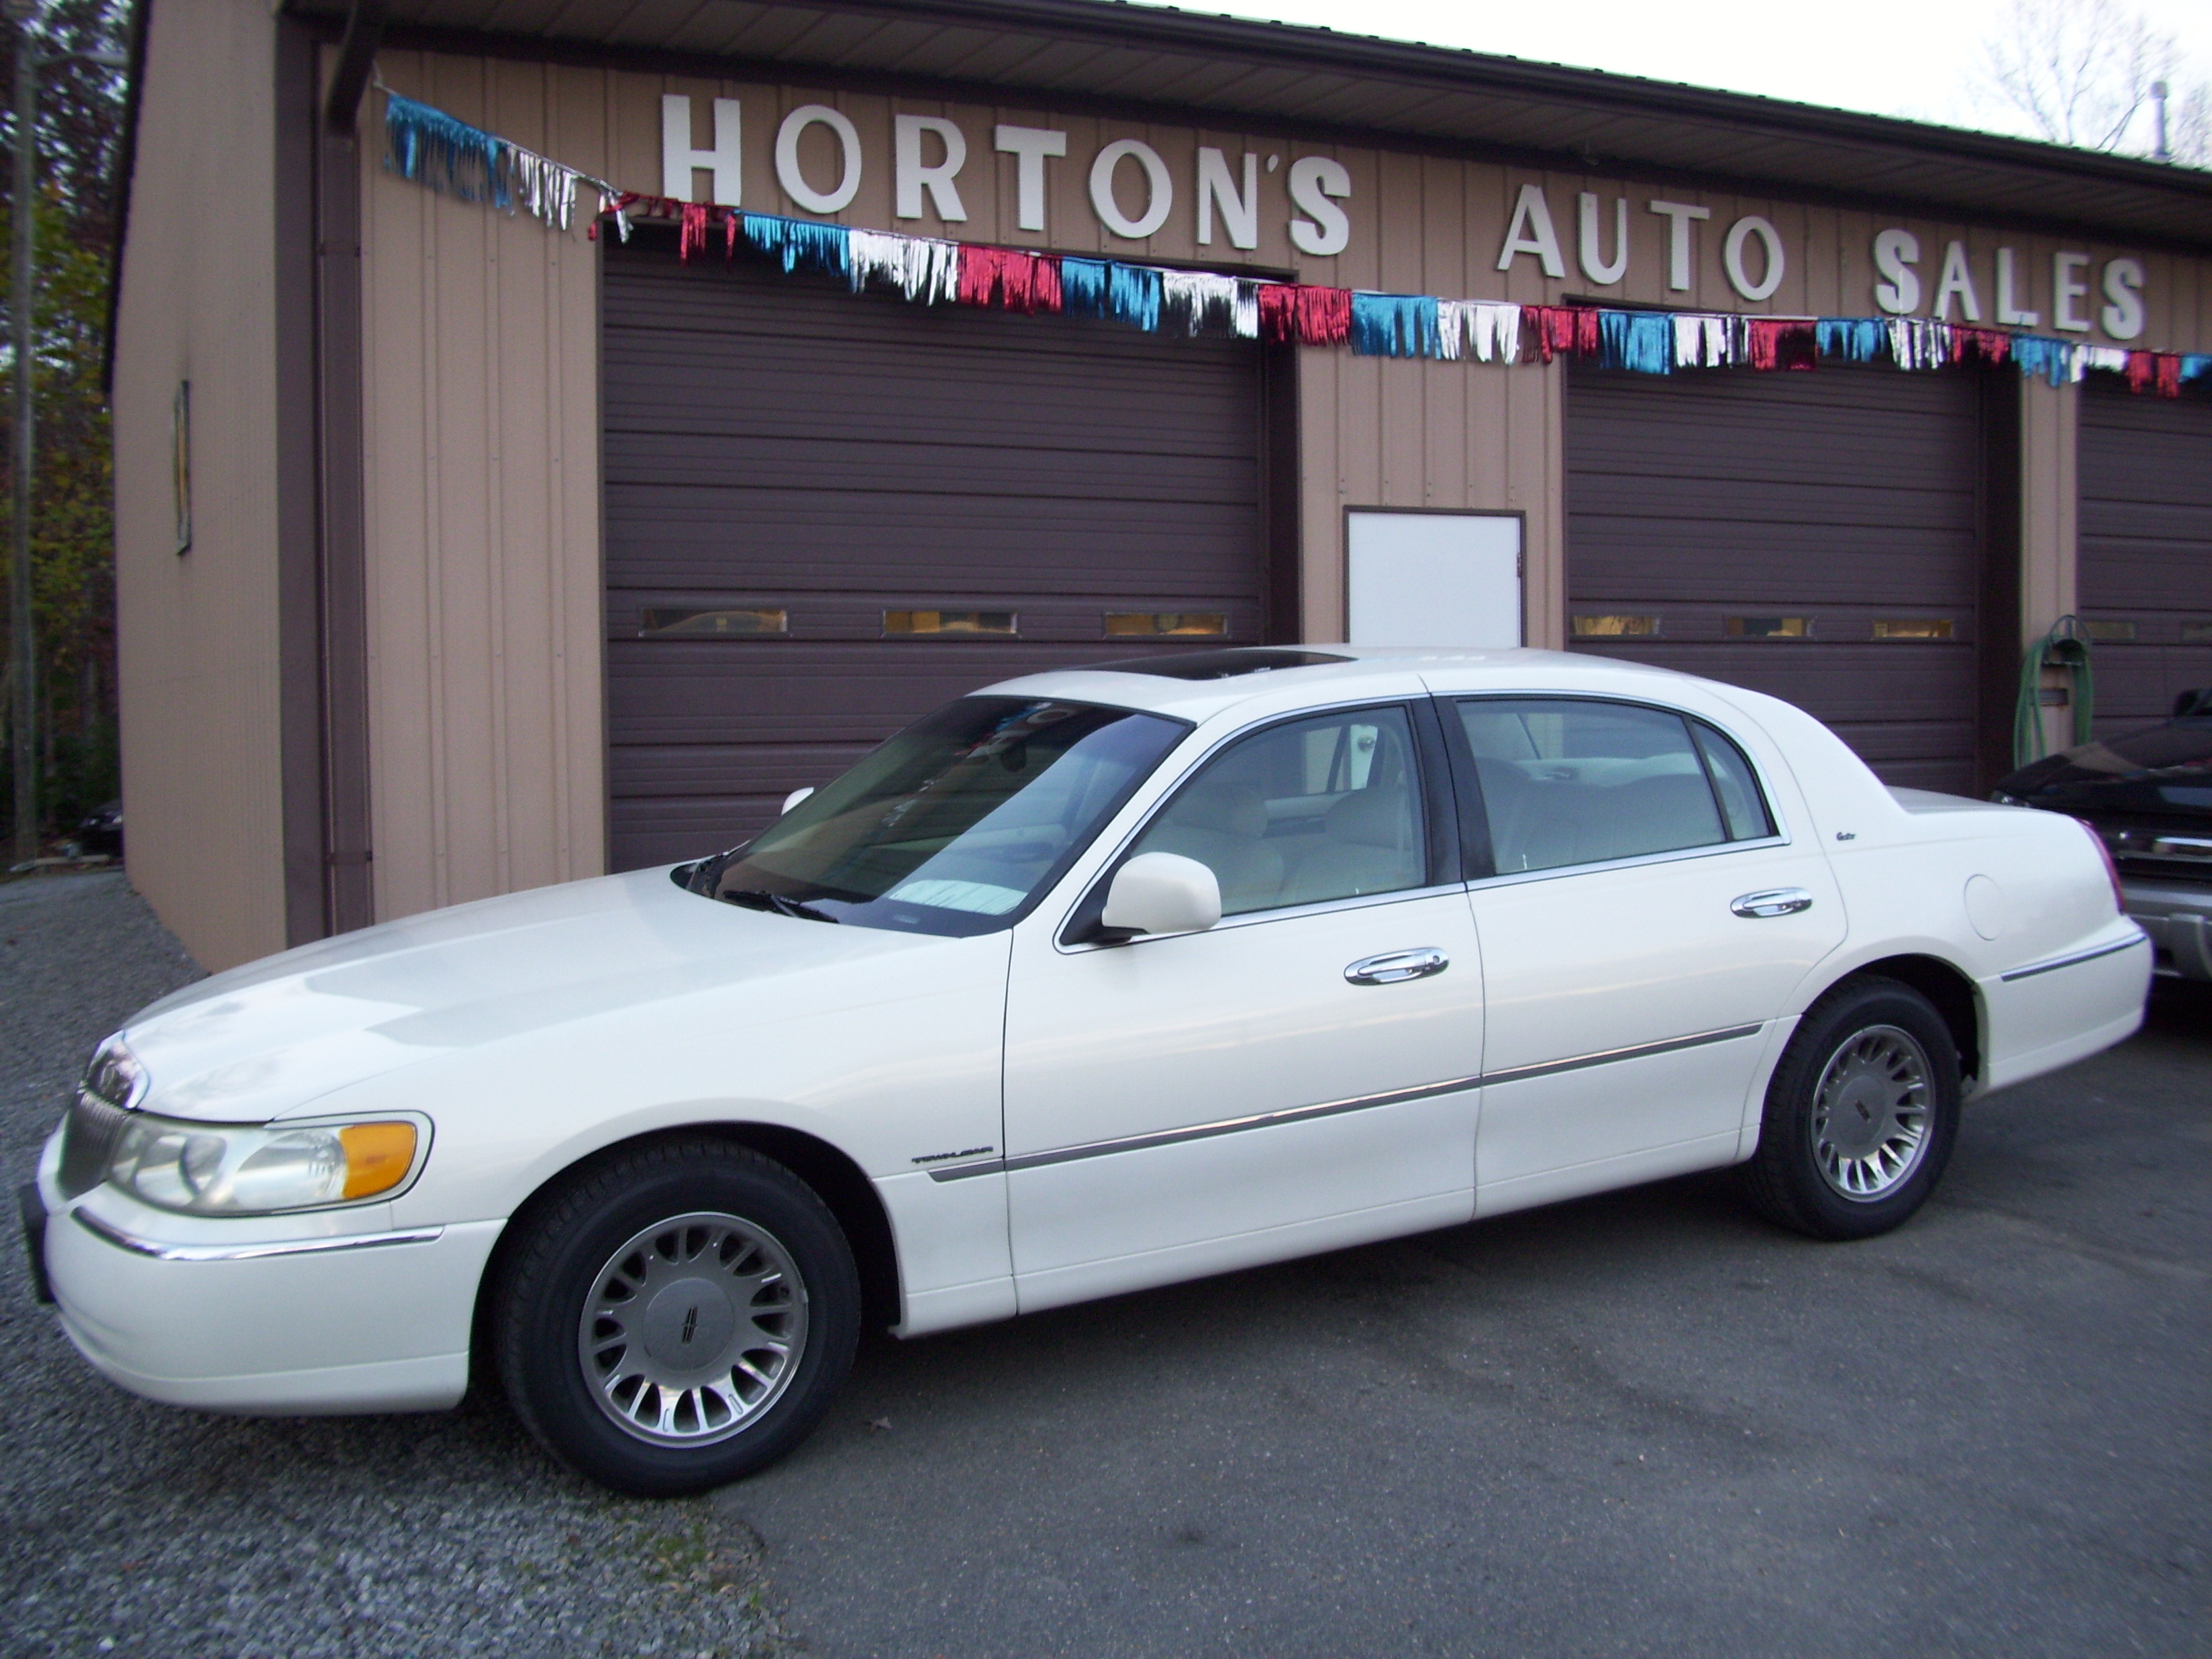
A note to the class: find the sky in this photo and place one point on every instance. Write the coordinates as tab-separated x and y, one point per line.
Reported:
1906	57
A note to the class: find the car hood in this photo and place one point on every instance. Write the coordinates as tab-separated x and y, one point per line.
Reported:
2175	795
2159	769
269	1038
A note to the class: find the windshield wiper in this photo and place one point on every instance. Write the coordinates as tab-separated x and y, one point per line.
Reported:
756	898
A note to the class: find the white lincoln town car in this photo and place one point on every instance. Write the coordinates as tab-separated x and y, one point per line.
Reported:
1092	981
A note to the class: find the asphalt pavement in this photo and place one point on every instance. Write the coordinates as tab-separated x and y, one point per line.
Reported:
1640	1423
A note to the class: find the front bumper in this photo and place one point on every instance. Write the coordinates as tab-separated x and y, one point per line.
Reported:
2178	916
235	1320
31	1208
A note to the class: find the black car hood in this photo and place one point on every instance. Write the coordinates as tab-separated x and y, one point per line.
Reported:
2136	789
2161	769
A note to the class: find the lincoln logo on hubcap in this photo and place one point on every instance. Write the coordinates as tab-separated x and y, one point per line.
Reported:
693	1328
1881	1076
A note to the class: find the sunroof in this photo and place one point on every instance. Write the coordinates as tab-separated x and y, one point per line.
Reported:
1217	665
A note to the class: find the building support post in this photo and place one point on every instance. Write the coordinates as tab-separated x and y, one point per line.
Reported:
301	715
342	507
23	652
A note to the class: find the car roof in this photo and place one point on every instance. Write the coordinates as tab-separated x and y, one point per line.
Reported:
1196	686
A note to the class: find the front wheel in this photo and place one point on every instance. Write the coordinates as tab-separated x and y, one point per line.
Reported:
676	1317
1860	1115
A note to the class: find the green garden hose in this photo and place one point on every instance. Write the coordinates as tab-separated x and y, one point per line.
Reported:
2065	647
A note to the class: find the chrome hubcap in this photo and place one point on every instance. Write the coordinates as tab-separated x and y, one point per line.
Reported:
693	1330
1870	1113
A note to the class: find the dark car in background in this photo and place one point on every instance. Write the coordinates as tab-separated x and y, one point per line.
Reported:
2148	795
103	831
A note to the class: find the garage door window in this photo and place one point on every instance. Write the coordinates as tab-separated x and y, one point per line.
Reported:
1567	781
1303	813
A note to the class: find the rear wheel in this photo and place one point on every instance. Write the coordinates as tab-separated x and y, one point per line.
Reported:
676	1317
1860	1115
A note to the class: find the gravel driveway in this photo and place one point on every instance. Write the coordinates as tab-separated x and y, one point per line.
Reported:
131	1528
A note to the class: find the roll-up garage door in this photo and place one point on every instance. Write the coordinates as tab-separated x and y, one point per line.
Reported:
826	514
1818	536
2145	550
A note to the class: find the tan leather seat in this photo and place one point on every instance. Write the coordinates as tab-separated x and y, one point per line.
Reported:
1548	824
1652	815
1506	802
1224	825
1369	844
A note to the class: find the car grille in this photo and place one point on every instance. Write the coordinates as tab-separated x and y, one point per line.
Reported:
88	1140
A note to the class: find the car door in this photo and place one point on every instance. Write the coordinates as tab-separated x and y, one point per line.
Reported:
1645	919
1299	1076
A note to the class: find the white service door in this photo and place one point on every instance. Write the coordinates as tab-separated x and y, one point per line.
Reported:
1442	579
1200	1101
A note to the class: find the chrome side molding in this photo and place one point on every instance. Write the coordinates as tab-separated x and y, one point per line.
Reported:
1332	1108
1666	1046
109	1233
2072	959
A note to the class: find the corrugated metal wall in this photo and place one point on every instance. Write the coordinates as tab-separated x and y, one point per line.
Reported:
481	455
198	634
775	443
2146	556
483	414
1827	501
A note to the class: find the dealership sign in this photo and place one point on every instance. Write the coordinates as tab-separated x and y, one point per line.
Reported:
1131	188
1133	192
1955	295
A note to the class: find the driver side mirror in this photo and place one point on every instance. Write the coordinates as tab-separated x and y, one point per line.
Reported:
1163	893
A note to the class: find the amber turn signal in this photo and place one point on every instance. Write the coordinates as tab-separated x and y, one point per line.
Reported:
378	1157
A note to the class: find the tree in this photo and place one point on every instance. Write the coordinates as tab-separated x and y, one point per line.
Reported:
2188	127
2081	72
73	540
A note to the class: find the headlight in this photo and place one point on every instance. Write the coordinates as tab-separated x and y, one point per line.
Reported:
239	1168
115	1076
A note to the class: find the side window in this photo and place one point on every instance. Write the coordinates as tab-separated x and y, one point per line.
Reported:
1318	809
1568	782
1736	785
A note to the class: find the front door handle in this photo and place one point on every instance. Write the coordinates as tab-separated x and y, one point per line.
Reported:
1392	966
1775	902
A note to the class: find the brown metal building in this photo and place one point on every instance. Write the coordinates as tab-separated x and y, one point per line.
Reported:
503	556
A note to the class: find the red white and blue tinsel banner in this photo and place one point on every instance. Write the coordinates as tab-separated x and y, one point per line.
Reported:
448	155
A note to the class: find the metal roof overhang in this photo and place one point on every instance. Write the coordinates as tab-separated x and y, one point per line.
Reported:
1155	62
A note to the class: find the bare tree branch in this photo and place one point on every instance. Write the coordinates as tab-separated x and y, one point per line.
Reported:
2076	71
2188	127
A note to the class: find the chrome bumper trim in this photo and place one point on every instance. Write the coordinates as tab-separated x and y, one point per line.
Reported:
122	1241
2073	958
1330	1108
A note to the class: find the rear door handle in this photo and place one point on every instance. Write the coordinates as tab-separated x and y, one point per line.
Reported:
1392	966
1774	901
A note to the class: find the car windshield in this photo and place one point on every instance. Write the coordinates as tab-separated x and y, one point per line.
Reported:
955	826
